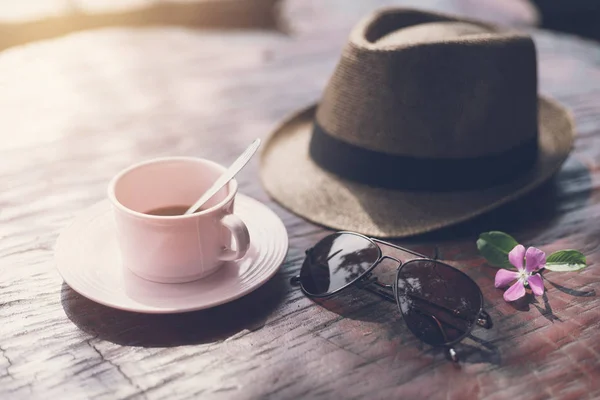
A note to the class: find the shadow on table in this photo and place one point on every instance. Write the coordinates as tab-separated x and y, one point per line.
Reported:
356	304
543	305
535	211
168	330
222	14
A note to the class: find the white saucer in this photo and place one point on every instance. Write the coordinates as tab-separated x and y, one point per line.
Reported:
88	258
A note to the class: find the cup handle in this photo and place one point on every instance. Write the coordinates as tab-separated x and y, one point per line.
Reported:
240	234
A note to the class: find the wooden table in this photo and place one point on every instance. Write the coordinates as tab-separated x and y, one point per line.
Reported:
77	109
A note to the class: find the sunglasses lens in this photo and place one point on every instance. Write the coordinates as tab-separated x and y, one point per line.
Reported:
439	303
336	261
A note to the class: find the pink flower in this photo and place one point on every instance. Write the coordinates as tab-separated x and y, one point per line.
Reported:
535	260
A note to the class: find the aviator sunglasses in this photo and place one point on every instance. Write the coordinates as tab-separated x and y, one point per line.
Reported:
440	304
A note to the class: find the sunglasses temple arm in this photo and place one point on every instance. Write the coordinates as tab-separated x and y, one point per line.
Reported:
484	320
384	294
384	290
449	349
390	297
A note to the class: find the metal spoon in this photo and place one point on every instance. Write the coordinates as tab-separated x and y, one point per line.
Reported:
226	177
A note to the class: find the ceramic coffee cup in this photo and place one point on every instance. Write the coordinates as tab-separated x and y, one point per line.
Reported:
178	248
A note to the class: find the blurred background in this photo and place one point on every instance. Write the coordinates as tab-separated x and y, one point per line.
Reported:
30	20
580	17
85	70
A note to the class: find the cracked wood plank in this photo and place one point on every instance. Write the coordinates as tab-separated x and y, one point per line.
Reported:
101	100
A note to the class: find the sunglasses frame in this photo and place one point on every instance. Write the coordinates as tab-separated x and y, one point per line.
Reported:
364	281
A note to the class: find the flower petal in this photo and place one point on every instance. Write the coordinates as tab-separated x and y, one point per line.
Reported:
536	284
535	259
504	277
515	292
516	256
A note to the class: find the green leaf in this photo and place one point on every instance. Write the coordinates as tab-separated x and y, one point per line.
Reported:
566	261
495	246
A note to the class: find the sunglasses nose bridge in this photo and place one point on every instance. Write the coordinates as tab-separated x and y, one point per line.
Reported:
375	280
391	258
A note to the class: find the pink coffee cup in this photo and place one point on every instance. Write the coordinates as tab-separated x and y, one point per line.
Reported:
180	248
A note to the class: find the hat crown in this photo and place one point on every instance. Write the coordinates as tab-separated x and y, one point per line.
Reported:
428	85
428	121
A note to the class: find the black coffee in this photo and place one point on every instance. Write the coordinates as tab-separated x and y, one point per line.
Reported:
169	211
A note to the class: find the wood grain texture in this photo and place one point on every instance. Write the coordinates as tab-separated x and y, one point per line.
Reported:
79	108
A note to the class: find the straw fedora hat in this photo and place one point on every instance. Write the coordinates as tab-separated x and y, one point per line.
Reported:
427	121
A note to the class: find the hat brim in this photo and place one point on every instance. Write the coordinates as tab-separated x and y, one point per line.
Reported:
298	184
